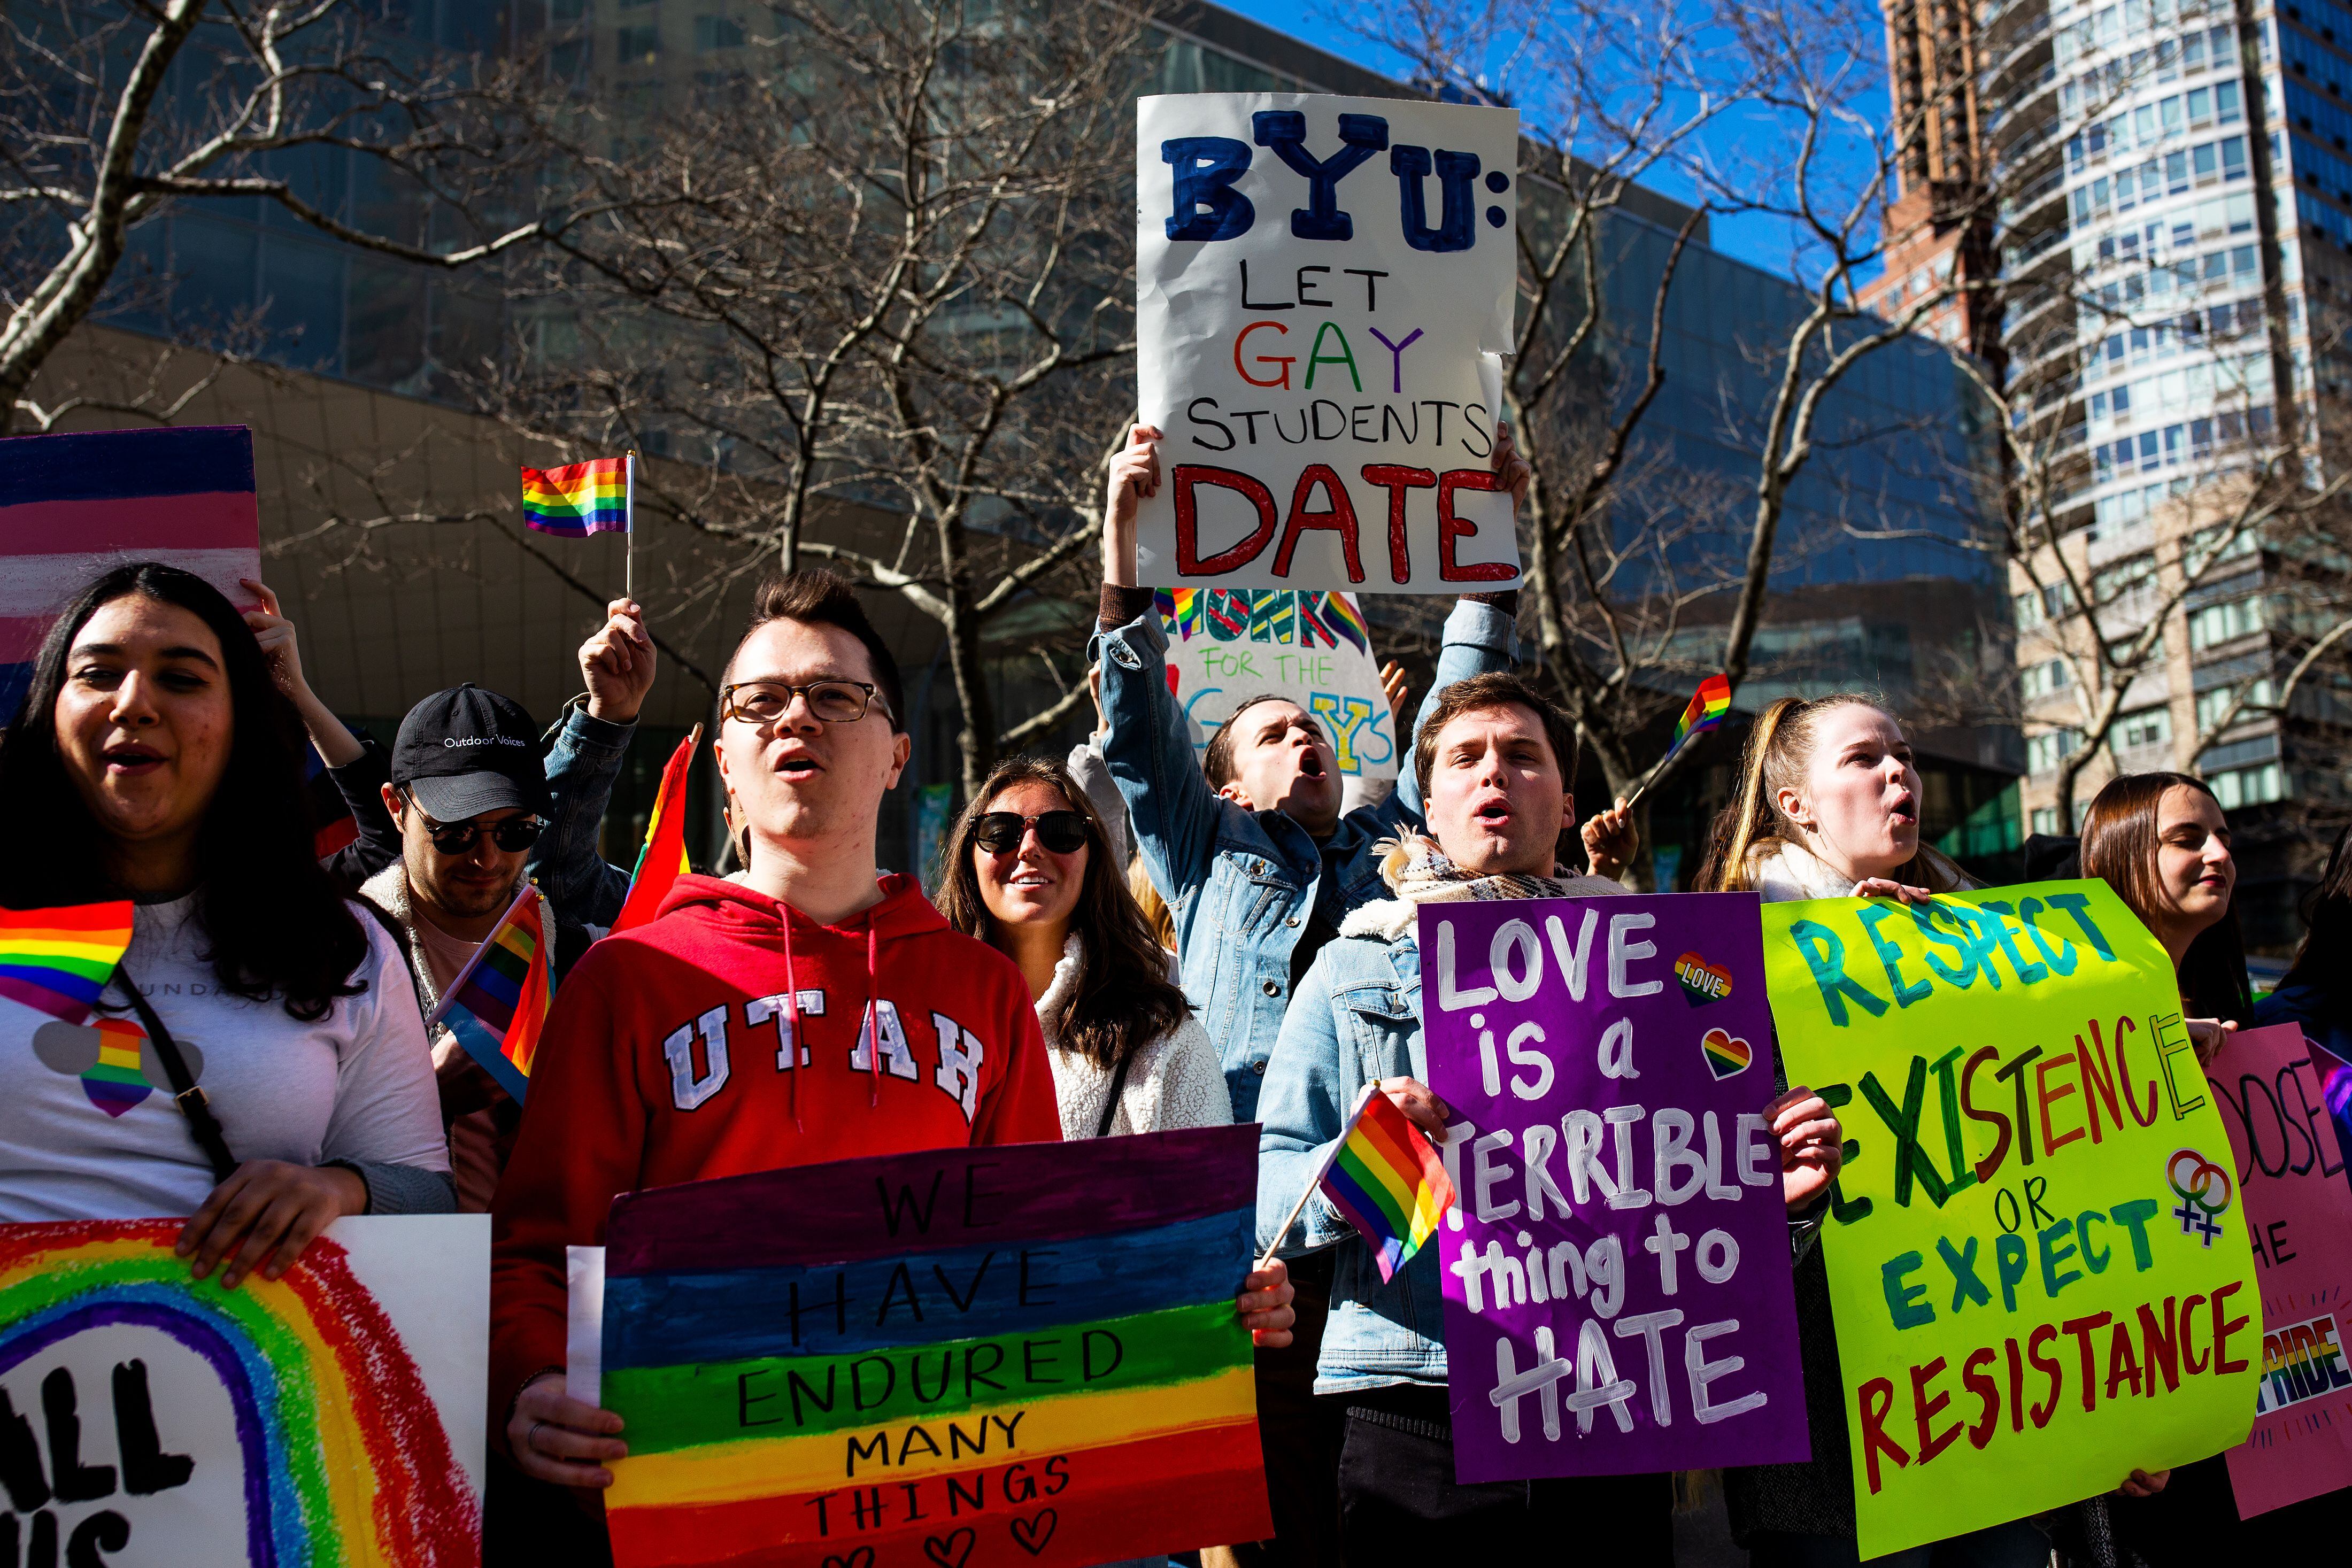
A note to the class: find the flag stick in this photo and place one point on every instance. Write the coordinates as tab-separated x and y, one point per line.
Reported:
629	526
1316	1180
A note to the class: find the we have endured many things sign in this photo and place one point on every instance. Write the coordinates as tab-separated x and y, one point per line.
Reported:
1324	289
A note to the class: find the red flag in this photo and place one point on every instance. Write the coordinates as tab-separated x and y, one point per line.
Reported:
663	860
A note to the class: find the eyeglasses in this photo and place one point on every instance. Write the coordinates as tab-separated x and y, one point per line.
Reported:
512	836
1001	832
829	702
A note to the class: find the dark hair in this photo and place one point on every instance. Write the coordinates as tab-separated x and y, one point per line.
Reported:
820	598
1779	751
1125	999
2328	917
1495	689
274	921
2120	838
1217	762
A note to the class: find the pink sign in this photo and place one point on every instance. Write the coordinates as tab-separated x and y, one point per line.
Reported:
2298	1209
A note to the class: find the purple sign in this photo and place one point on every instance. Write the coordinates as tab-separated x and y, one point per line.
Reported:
1617	1290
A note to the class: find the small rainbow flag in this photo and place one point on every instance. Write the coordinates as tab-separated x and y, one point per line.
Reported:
663	860
582	498
1708	707
1337	614
1388	1181
58	960
497	1003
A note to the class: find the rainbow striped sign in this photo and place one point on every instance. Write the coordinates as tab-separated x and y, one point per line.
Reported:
964	1358
332	1416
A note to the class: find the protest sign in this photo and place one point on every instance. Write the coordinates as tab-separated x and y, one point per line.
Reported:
2298	1209
2038	1283
72	507
1228	645
1324	287
961	1358
1616	1271
334	1415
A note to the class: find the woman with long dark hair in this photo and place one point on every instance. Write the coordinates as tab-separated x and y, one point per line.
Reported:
1031	872
155	761
2161	841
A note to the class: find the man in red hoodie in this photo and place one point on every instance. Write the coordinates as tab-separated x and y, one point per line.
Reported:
803	1010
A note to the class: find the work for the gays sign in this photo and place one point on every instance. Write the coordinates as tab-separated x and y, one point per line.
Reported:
1226	645
1616	1272
964	1358
2289	1174
331	1415
2037	1285
1324	286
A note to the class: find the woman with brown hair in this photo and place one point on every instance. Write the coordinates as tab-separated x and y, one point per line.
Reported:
1828	806
2161	841
1031	872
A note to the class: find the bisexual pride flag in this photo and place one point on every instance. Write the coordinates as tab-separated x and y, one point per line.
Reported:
74	506
972	1357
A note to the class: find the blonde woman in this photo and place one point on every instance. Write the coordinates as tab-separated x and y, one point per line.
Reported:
1828	806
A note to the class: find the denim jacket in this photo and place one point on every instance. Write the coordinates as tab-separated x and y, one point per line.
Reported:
1242	884
1356	1020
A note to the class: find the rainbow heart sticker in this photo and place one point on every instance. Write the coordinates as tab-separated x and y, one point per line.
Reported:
1726	1055
1701	981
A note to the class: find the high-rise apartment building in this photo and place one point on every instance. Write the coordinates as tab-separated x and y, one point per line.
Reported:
1940	227
2174	199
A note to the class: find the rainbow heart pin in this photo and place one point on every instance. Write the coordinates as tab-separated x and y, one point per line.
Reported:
1701	981
1726	1055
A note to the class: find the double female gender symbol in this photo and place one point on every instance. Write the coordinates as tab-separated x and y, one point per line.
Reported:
2204	1189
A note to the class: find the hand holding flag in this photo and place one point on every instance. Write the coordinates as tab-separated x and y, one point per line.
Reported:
1386	1179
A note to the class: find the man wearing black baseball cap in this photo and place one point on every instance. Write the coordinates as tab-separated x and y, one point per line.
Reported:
469	795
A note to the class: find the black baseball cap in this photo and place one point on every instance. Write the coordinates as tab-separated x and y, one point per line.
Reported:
466	751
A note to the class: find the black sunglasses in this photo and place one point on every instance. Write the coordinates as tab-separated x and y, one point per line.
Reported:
1000	832
514	834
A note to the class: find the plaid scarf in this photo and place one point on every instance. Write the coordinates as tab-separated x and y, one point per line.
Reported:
1419	872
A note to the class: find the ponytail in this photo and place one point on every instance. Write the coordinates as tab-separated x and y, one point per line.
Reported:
1751	817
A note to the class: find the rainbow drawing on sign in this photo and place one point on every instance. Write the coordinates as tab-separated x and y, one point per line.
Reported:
344	1456
1290	617
58	960
1066	1385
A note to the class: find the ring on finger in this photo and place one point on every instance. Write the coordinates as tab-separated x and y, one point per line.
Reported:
530	1438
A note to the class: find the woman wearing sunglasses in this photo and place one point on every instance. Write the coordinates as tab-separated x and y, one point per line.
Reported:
1029	872
154	761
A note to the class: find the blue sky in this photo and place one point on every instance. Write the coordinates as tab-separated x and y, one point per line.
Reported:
1759	242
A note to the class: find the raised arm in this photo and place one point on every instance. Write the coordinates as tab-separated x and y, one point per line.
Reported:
1148	746
618	665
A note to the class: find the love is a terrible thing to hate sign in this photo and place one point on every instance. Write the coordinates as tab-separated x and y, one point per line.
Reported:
1324	289
1616	1271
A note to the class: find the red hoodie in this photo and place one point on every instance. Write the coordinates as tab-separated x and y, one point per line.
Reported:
664	1061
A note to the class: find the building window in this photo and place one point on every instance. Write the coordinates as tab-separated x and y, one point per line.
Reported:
2044	753
2038	681
638	43
2029	611
2216	623
2144	726
2212	705
2249	785
713	33
2045	819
